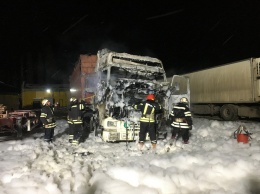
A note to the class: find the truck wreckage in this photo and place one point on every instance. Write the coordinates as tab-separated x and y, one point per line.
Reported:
116	83
16	122
122	81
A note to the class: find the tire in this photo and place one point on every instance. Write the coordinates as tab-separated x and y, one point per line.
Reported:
15	134
20	132
96	130
165	136
229	112
91	125
85	125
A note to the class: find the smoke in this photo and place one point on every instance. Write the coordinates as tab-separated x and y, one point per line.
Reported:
114	46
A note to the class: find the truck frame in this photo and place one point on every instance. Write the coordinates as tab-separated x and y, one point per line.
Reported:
231	91
17	122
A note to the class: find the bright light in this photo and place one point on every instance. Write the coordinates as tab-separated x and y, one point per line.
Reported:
72	90
48	90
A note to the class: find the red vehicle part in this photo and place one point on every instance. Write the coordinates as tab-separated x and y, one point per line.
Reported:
18	121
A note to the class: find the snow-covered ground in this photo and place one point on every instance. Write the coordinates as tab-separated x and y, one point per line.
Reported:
214	162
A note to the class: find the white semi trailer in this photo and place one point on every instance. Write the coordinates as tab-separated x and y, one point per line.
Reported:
230	91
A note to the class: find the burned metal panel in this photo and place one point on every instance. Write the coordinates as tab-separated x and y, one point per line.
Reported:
143	66
224	84
180	84
124	80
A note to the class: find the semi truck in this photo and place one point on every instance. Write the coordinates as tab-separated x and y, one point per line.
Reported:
230	91
115	83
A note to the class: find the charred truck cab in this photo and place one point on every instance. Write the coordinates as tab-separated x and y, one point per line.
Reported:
123	80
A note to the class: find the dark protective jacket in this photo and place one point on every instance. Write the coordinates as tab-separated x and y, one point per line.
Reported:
47	117
181	116
149	109
75	113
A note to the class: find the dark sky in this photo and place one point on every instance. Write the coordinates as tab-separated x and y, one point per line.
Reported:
42	40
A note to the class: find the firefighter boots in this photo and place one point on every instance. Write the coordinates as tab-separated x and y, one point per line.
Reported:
140	145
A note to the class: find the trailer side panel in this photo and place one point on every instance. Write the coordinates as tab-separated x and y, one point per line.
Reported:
224	84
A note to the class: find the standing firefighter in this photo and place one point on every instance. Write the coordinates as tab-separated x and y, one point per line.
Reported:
147	121
75	120
181	120
48	121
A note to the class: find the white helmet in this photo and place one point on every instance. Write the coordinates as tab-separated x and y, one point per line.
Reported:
73	99
184	100
44	101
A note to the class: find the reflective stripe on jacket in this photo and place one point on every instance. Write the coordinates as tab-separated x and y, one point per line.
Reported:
149	109
181	116
148	116
180	125
75	114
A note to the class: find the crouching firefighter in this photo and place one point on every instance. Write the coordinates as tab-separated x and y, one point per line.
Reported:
181	120
48	121
149	109
75	120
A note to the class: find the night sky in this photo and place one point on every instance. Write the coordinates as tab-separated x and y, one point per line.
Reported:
42	40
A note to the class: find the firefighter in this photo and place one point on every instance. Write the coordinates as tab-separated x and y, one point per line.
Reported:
48	121
149	108
75	120
88	118
181	120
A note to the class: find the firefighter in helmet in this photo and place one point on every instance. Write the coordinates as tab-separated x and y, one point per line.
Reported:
181	120
48	121
75	120
149	108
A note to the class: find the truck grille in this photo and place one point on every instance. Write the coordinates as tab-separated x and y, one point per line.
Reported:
134	126
130	137
113	136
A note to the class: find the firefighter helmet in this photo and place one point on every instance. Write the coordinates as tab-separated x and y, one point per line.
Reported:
44	101
150	97
73	99
184	100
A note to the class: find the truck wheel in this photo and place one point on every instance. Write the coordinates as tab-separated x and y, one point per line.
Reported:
96	131
19	132
85	126
229	112
91	125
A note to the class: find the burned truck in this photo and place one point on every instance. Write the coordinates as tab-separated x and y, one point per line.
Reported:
123	80
111	83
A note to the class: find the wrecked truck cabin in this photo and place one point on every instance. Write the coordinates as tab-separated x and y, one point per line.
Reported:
119	81
124	80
